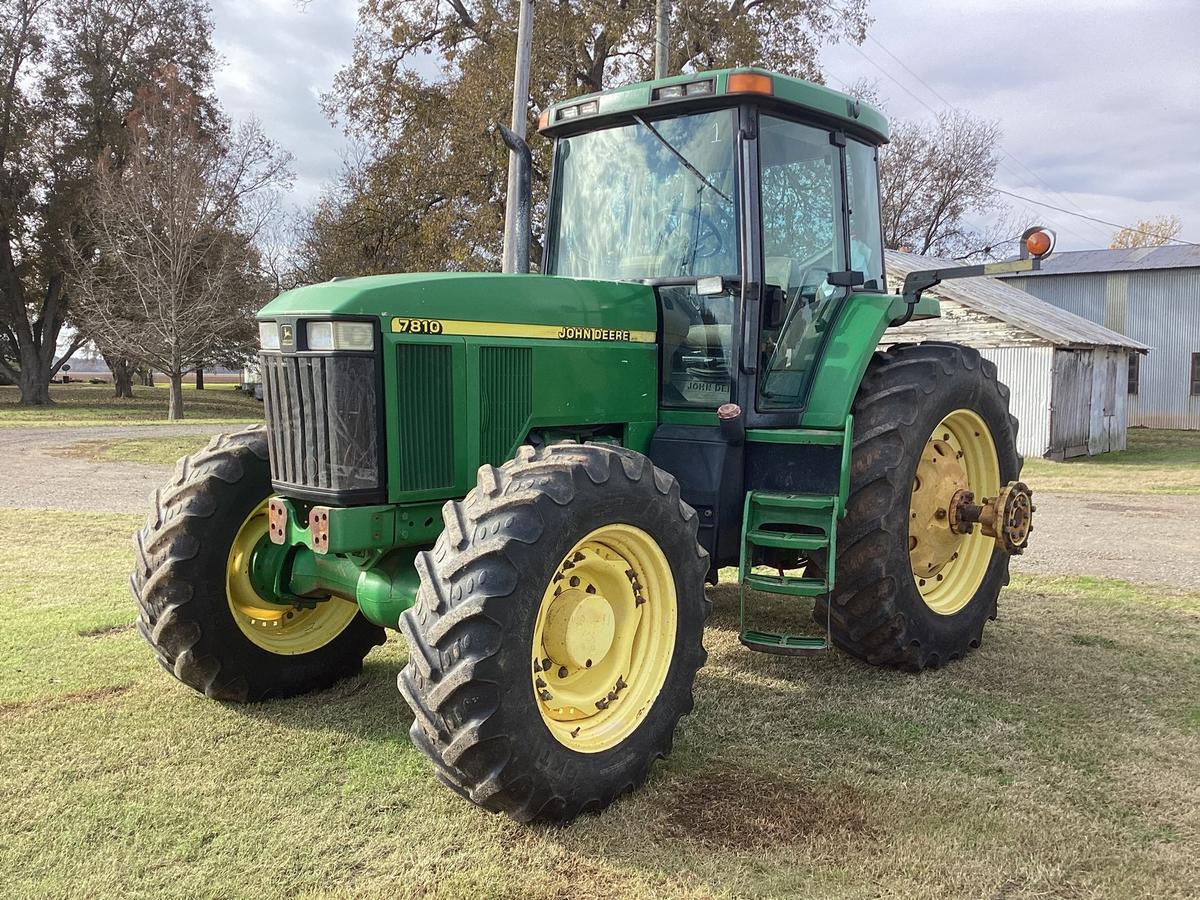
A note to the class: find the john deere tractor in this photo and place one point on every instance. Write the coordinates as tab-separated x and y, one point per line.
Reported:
532	476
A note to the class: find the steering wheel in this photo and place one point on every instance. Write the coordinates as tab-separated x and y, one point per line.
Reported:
704	235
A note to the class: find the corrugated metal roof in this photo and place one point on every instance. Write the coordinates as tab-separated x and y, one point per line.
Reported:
991	297
1174	256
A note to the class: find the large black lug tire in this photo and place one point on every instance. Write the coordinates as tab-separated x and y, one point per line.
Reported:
179	583
878	614
470	634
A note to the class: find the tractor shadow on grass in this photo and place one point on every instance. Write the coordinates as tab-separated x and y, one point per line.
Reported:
367	706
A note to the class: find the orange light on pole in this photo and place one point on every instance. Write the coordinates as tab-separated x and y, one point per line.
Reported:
749	83
1039	243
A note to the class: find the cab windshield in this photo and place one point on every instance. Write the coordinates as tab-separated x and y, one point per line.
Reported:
651	199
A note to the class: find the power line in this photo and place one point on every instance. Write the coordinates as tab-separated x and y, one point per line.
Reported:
1049	190
1003	149
1090	218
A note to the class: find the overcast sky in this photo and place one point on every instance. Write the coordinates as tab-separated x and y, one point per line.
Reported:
1099	100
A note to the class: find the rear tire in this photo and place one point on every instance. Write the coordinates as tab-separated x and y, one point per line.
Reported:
878	612
180	583
472	632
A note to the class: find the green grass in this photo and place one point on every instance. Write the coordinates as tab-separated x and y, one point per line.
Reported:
152	451
1062	759
79	404
1155	462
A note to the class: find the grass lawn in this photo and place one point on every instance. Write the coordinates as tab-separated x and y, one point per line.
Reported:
1063	759
1155	462
151	451
86	404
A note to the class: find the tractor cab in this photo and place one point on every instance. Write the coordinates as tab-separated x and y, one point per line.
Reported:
750	202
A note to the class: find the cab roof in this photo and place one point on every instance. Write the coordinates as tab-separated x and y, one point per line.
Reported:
707	89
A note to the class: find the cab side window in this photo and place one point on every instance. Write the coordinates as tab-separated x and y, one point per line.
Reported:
803	241
866	235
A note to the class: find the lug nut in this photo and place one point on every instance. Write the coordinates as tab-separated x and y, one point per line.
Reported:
562	671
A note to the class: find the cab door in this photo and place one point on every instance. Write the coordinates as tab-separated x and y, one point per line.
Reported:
802	239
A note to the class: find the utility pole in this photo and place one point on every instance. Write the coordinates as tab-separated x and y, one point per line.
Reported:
519	105
662	28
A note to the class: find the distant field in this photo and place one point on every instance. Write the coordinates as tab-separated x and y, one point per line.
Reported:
79	404
1156	462
1060	760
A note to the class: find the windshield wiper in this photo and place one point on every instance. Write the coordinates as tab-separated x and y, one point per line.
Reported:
683	159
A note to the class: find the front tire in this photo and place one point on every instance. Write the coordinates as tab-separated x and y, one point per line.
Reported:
908	592
196	604
557	631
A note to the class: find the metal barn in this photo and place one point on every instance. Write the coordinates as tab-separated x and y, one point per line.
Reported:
1151	294
1067	374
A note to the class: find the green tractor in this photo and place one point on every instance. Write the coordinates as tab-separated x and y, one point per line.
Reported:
533	476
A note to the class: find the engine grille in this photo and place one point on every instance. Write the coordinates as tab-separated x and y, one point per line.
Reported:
323	426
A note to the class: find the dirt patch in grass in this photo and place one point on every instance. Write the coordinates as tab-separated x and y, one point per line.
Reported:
103	630
155	451
731	808
93	696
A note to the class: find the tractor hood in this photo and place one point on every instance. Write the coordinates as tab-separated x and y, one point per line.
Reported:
443	302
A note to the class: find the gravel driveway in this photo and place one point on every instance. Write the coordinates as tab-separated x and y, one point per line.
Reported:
1144	538
1148	538
35	474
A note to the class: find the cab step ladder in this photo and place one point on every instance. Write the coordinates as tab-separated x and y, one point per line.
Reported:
801	522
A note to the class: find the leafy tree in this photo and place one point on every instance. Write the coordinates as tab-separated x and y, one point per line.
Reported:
426	188
68	73
171	275
1148	233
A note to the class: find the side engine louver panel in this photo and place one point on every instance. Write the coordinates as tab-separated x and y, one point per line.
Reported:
506	400
425	416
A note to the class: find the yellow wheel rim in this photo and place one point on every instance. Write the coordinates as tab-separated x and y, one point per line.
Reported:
284	630
949	567
604	638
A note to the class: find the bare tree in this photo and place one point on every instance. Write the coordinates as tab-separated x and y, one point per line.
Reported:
174	278
934	179
1148	233
68	73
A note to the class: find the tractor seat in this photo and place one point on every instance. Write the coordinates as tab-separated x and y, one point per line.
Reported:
709	337
778	271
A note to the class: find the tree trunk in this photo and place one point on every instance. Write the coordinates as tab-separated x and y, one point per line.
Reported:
122	372
175	410
34	378
146	377
35	387
199	379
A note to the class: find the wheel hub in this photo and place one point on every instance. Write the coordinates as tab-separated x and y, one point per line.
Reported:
579	629
604	638
940	477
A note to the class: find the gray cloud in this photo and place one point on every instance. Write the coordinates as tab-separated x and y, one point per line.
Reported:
1100	99
279	57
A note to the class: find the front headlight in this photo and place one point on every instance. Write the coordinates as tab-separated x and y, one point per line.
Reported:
341	336
268	335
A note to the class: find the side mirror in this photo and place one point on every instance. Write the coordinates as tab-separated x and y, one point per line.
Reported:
847	279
